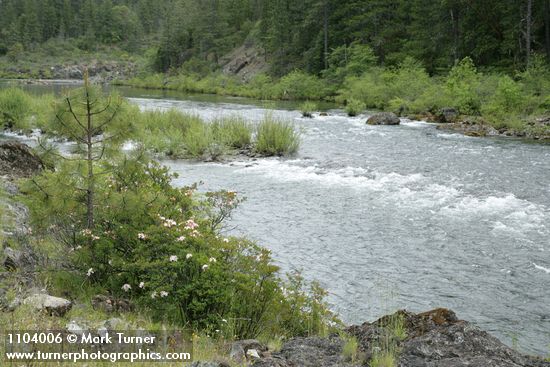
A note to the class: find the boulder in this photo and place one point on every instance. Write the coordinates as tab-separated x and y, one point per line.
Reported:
240	350
314	352
54	306
15	259
447	115
383	118
16	160
437	338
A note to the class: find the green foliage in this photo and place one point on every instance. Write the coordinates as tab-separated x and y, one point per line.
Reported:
462	85
350	350
354	107
508	99
233	131
276	137
307	108
198	139
15	108
157	245
299	85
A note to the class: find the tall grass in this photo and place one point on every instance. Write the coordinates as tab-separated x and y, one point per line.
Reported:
233	131
276	137
307	108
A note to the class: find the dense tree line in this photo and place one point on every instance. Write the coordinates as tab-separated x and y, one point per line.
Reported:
305	34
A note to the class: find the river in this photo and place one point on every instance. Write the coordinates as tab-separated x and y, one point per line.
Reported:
388	217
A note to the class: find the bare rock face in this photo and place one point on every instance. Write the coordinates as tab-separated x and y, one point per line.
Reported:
16	160
383	118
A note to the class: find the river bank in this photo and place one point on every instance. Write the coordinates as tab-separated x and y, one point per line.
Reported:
433	338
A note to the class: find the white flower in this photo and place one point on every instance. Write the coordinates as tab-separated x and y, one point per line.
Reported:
110	262
95	238
191	224
163	294
195	233
173	258
169	223
142	285
205	266
142	236
212	260
90	272
154	295
180	239
226	240
126	287
188	256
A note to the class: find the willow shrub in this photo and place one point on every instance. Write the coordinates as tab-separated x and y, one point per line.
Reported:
275	137
160	247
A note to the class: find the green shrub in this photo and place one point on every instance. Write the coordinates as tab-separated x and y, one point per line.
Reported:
354	107
307	108
159	246
276	137
462	85
15	109
299	85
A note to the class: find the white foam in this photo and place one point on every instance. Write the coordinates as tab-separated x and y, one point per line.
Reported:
547	270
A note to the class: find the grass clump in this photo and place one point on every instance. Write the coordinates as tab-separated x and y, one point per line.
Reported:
350	350
233	131
354	107
307	108
276	137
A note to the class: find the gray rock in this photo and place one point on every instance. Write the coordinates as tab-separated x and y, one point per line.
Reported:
16	259
239	349
252	354
17	160
74	328
209	364
383	118
314	352
115	324
447	115
54	306
438	339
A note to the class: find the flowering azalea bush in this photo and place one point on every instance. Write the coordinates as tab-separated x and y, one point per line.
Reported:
161	247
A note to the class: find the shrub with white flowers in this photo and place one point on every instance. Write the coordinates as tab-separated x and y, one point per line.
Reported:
161	247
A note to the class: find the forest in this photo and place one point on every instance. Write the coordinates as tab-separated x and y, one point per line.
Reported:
310	35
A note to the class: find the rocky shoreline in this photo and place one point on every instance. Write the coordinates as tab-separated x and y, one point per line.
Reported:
475	126
100	72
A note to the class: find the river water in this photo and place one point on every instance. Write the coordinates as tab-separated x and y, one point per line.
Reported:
389	217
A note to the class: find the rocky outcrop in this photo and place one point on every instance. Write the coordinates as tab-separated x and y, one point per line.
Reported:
53	306
436	338
383	118
16	160
245	62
